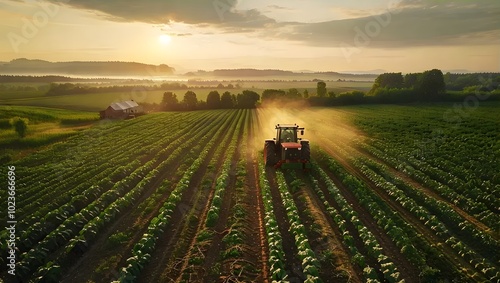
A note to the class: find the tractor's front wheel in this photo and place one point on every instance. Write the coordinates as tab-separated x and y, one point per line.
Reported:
269	154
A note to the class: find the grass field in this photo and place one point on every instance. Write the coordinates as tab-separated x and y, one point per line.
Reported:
395	193
45	126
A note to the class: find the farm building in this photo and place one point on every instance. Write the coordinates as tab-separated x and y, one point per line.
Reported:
121	110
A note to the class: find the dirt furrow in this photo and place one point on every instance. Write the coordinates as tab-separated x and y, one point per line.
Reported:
257	236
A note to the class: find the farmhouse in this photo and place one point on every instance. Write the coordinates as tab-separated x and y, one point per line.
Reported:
121	110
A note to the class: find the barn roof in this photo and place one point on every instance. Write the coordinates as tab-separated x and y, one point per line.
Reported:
124	105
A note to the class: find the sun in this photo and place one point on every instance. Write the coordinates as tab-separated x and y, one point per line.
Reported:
165	39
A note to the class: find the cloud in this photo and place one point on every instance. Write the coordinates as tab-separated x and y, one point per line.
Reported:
181	34
409	23
196	12
277	7
405	23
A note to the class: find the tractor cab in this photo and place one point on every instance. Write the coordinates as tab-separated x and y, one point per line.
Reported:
288	133
287	150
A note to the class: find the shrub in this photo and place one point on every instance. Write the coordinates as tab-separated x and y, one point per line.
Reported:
21	126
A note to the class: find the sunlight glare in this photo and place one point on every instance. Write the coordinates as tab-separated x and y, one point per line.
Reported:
165	39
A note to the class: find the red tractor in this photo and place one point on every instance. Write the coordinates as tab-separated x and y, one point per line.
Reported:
287	150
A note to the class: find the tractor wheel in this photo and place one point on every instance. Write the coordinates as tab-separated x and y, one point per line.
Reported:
306	151
269	154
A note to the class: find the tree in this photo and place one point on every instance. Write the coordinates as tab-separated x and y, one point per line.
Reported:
388	81
190	101
226	101
169	101
431	84
20	125
213	100
411	80
306	93
234	100
321	89
247	99
331	94
293	93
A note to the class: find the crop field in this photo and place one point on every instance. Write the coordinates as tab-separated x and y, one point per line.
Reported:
395	194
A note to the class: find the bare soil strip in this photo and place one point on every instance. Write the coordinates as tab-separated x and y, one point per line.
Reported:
257	237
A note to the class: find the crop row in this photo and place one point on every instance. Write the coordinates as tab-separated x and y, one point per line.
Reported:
221	184
377	207
223	179
80	229
310	263
473	201
467	145
371	244
63	184
71	225
141	252
274	238
89	198
235	237
433	222
347	239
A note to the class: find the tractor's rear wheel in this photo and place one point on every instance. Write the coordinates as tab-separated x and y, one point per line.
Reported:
269	154
306	151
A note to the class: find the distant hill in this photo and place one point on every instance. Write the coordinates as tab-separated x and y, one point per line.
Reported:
249	73
100	68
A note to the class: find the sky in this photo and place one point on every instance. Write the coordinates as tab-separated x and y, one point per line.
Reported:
298	35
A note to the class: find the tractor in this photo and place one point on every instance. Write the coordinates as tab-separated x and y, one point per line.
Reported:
287	150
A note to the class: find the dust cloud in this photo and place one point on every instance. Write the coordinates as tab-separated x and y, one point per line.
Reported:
330	128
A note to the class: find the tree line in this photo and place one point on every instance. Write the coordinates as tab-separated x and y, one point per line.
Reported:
246	99
71	89
427	86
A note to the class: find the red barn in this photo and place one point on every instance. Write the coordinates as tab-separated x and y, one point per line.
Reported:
122	110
